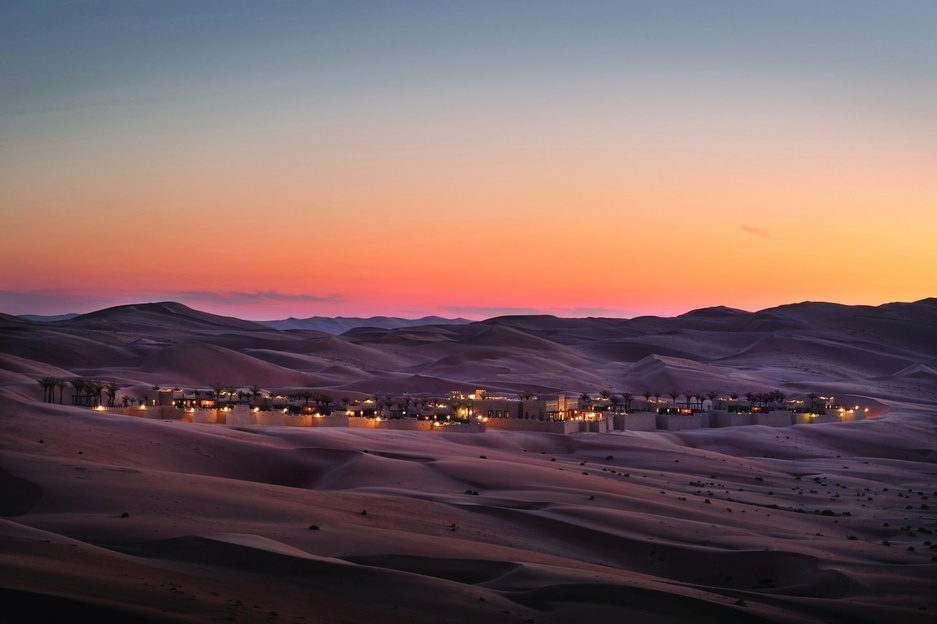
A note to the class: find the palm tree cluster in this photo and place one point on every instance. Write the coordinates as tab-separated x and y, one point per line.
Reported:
691	398
49	384
615	400
319	398
763	399
87	391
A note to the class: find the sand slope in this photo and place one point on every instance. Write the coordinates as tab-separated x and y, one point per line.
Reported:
166	521
115	518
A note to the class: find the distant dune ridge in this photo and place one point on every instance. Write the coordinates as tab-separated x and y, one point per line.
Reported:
341	324
116	518
801	347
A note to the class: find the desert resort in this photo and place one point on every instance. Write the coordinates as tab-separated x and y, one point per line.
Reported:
475	412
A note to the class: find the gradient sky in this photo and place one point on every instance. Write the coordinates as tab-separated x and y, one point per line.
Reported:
274	159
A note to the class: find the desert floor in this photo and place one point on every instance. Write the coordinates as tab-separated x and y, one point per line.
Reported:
116	517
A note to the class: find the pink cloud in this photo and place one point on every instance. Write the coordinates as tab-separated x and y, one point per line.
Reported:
756	231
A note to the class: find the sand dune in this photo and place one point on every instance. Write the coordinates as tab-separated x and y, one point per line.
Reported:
115	518
193	363
562	527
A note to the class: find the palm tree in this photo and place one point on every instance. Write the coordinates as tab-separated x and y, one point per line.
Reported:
112	387
628	398
55	382
813	396
525	395
80	385
711	395
647	399
779	397
255	392
673	395
216	389
322	398
47	383
482	394
95	390
61	384
689	396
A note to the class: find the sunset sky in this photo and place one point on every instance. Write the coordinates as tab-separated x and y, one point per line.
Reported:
275	159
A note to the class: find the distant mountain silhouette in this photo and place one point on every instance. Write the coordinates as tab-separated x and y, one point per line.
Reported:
164	314
887	350
340	324
42	318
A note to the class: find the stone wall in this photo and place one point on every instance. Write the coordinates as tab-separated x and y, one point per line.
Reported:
772	419
730	419
522	424
471	427
639	421
676	422
204	416
602	424
271	418
815	419
238	417
297	420
334	420
241	416
405	424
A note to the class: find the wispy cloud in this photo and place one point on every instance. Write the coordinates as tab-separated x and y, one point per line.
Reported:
256	297
52	302
757	231
63	302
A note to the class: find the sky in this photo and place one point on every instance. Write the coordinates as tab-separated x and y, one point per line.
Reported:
589	158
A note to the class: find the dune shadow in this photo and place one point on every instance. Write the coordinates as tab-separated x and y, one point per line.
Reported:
26	607
17	496
467	571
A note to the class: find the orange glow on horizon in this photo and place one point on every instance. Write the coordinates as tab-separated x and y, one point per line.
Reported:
601	175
